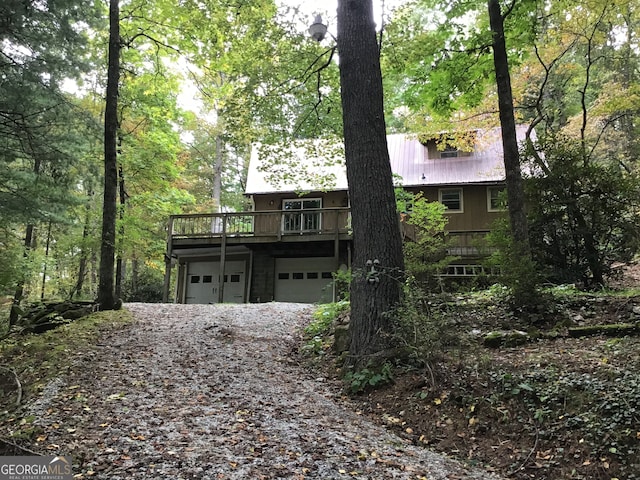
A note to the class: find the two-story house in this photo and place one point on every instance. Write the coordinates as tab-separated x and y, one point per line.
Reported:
297	234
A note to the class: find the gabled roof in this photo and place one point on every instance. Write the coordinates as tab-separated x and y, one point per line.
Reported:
306	165
304	169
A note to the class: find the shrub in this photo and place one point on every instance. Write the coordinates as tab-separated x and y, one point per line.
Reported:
358	381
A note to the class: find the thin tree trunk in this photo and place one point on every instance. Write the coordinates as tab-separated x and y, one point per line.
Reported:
119	256
14	314
46	260
106	297
378	263
94	271
28	246
135	272
82	267
217	174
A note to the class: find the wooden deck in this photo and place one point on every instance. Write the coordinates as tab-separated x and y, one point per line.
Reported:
223	230
291	226
260	227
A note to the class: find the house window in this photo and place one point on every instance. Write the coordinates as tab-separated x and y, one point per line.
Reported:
283	276
453	152
195	279
449	152
298	276
496	199
300	215
207	278
312	275
451	198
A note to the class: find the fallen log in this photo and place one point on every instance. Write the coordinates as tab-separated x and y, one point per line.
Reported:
47	316
611	330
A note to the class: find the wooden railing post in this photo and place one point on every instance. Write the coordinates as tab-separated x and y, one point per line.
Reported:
167	262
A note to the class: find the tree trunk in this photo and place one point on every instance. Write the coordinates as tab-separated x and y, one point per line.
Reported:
28	246
119	255
135	273
375	223
519	266
14	314
217	174
515	192
106	297
82	267
46	260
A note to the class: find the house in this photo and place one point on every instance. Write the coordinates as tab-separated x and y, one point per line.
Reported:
297	233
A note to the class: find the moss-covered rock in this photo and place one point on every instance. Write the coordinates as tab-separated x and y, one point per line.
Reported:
510	338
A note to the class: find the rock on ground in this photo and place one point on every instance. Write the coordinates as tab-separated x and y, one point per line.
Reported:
211	392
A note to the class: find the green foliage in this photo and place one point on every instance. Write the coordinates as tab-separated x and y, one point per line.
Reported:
342	283
426	255
594	406
324	316
145	286
404	198
520	276
583	214
39	358
441	79
358	381
422	330
42	135
319	333
11	261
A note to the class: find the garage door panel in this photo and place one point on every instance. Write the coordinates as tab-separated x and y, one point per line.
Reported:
203	282
304	280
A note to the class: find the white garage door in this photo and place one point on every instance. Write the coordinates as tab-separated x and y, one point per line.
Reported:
304	280
203	282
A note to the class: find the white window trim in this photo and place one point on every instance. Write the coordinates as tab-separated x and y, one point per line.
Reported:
489	208
459	189
285	200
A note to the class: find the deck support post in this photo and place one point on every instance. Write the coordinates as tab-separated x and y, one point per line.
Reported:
223	255
167	262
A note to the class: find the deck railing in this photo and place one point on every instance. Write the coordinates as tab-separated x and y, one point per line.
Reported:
468	243
273	223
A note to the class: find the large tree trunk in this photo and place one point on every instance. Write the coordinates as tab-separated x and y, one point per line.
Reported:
106	297
375	223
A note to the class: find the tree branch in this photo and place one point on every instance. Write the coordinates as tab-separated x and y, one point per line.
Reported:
153	40
18	384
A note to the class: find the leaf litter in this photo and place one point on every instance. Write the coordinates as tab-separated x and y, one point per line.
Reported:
213	392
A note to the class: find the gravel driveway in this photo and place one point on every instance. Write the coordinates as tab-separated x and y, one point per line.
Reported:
210	392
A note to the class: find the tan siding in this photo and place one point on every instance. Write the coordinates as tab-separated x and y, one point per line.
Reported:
475	216
273	201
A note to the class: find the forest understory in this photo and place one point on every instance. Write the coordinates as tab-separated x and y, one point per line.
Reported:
196	392
553	407
186	392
